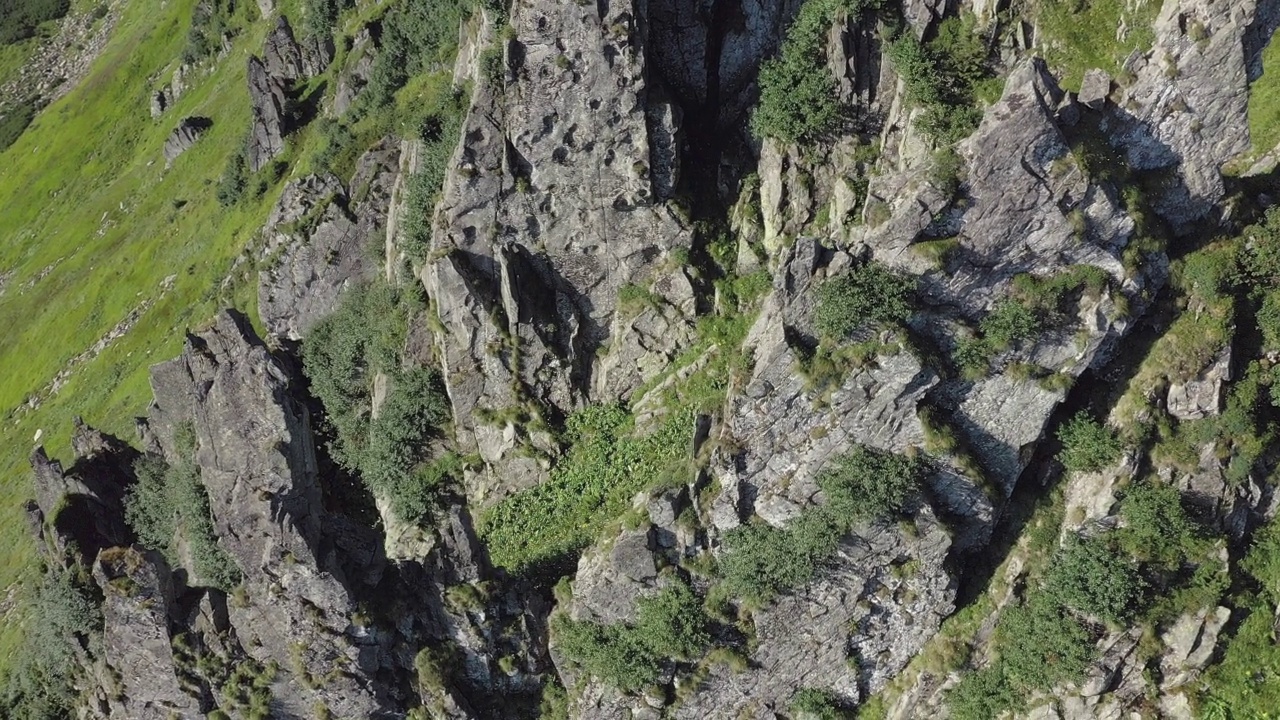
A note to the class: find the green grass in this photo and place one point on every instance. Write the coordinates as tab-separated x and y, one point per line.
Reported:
1079	35
1264	102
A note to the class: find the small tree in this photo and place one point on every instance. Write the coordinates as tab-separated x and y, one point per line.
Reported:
1086	445
868	294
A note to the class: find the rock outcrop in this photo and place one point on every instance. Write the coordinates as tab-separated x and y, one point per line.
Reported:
269	124
184	137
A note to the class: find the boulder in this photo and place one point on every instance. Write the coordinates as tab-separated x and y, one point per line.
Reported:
1201	397
184	137
1094	89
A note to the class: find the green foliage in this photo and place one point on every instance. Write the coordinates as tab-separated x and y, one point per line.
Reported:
234	181
169	504
66	614
1264	103
320	17
1080	35
669	626
1087	446
817	704
942	76
1009	322
209	23
866	294
982	695
341	356
415	35
1089	576
761	561
799	99
869	484
1041	645
592	484
1157	528
13	120
19	19
439	134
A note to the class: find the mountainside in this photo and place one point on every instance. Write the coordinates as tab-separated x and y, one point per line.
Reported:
799	359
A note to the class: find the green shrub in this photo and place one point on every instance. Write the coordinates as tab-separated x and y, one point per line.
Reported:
1091	577
320	17
871	484
817	704
341	357
867	294
19	19
1157	528
1009	322
209	23
982	695
799	99
13	120
942	76
170	500
1087	446
1041	645
66	616
439	133
669	626
234	181
415	36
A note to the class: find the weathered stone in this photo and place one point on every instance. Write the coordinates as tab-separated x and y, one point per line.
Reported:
268	127
184	137
1094	89
1201	397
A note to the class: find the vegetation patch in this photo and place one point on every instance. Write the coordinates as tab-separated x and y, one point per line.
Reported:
799	99
1087	445
1082	34
20	19
670	626
761	561
945	77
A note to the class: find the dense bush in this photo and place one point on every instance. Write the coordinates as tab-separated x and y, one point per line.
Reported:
761	561
170	499
868	294
1157	528
65	616
235	180
1087	446
942	76
13	120
591	484
799	99
415	35
1041	645
19	19
816	704
210	21
341	357
1091	577
982	695
320	17
669	626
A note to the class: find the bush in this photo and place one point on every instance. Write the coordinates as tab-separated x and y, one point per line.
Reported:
669	626
19	19
1091	577
234	181
982	695
209	23
871	484
439	134
341	357
1086	445
867	294
1041	645
1009	322
415	35
942	76
816	704
14	119
320	17
799	99
1157	528
167	499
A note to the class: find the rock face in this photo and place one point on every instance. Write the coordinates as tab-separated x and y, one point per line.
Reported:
321	238
288	60
553	214
1094	89
266	134
184	137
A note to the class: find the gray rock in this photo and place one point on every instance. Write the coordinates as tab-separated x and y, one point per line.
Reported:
138	594
1190	644
355	74
1201	397
184	137
288	60
268	127
1094	89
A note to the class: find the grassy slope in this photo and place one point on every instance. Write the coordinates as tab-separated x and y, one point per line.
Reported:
85	187
1078	36
1264	103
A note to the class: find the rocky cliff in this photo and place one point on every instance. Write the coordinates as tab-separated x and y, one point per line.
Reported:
792	422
